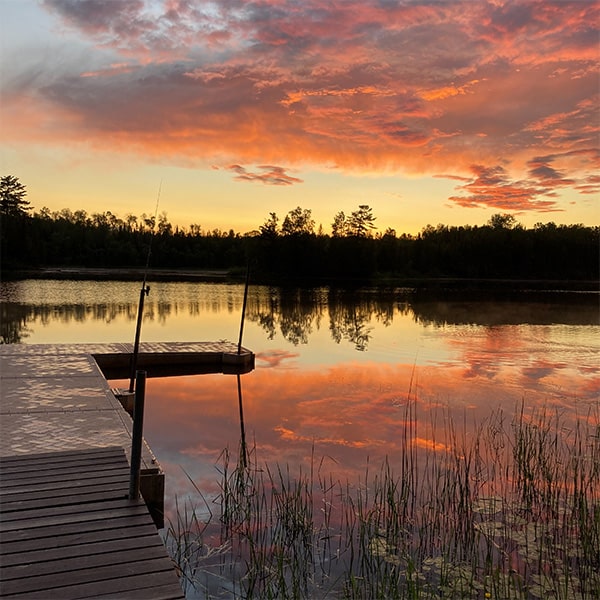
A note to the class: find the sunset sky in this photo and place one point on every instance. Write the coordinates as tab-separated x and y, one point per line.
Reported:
428	111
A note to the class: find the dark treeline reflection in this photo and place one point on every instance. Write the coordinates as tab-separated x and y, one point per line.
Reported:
296	314
16	317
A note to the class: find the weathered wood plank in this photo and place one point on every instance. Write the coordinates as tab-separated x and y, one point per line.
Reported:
155	593
27	521
76	534
54	486
117	589
42	473
49	481
55	532
81	456
27	465
91	496
75	539
23	467
75	550
54	511
32	582
85	561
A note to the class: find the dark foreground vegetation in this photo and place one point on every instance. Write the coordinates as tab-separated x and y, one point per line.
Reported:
293	249
510	511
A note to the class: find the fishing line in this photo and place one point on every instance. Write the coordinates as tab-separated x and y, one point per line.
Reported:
152	233
144	291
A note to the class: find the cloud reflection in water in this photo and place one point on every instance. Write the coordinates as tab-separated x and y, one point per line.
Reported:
349	413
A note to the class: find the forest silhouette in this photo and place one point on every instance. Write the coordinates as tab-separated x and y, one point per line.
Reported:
293	250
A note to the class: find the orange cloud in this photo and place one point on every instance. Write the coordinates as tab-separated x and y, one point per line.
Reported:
114	69
492	187
270	175
417	88
446	92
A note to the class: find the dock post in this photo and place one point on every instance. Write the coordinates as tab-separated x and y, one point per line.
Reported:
136	345
239	350
243	451
137	435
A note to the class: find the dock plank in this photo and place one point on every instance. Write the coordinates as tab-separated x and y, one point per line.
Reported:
139	586
77	549
49	483
54	531
155	593
95	578
85	561
33	519
73	538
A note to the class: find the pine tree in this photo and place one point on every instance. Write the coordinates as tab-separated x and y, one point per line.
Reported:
12	197
361	221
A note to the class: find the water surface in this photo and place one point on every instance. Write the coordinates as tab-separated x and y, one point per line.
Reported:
335	369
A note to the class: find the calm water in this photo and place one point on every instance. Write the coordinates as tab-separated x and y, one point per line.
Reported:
334	370
340	379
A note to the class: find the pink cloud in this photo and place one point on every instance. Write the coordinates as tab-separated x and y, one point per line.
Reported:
114	69
275	358
418	88
271	175
491	186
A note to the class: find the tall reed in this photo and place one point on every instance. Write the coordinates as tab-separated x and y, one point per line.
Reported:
509	509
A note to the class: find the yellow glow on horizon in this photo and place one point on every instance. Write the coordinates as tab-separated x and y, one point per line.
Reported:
99	182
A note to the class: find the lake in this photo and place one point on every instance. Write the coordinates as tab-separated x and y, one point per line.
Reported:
339	373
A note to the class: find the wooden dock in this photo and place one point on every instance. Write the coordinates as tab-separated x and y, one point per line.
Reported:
56	397
68	530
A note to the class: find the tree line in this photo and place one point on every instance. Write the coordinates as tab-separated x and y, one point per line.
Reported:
292	248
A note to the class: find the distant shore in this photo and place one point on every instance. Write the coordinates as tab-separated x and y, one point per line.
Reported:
123	274
438	284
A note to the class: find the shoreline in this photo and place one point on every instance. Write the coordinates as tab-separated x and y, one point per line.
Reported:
120	274
417	284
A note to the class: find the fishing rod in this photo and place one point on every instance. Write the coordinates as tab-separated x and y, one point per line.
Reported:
239	348
144	291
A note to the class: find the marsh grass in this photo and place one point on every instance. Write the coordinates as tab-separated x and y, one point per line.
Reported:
510	510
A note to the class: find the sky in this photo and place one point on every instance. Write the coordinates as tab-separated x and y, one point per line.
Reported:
219	113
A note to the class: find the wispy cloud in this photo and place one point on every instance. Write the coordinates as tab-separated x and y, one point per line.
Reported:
416	87
270	175
276	358
491	186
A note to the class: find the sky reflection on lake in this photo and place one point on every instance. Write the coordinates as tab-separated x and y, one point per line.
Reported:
351	411
336	373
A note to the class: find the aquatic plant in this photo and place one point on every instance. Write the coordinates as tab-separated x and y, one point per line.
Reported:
510	510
